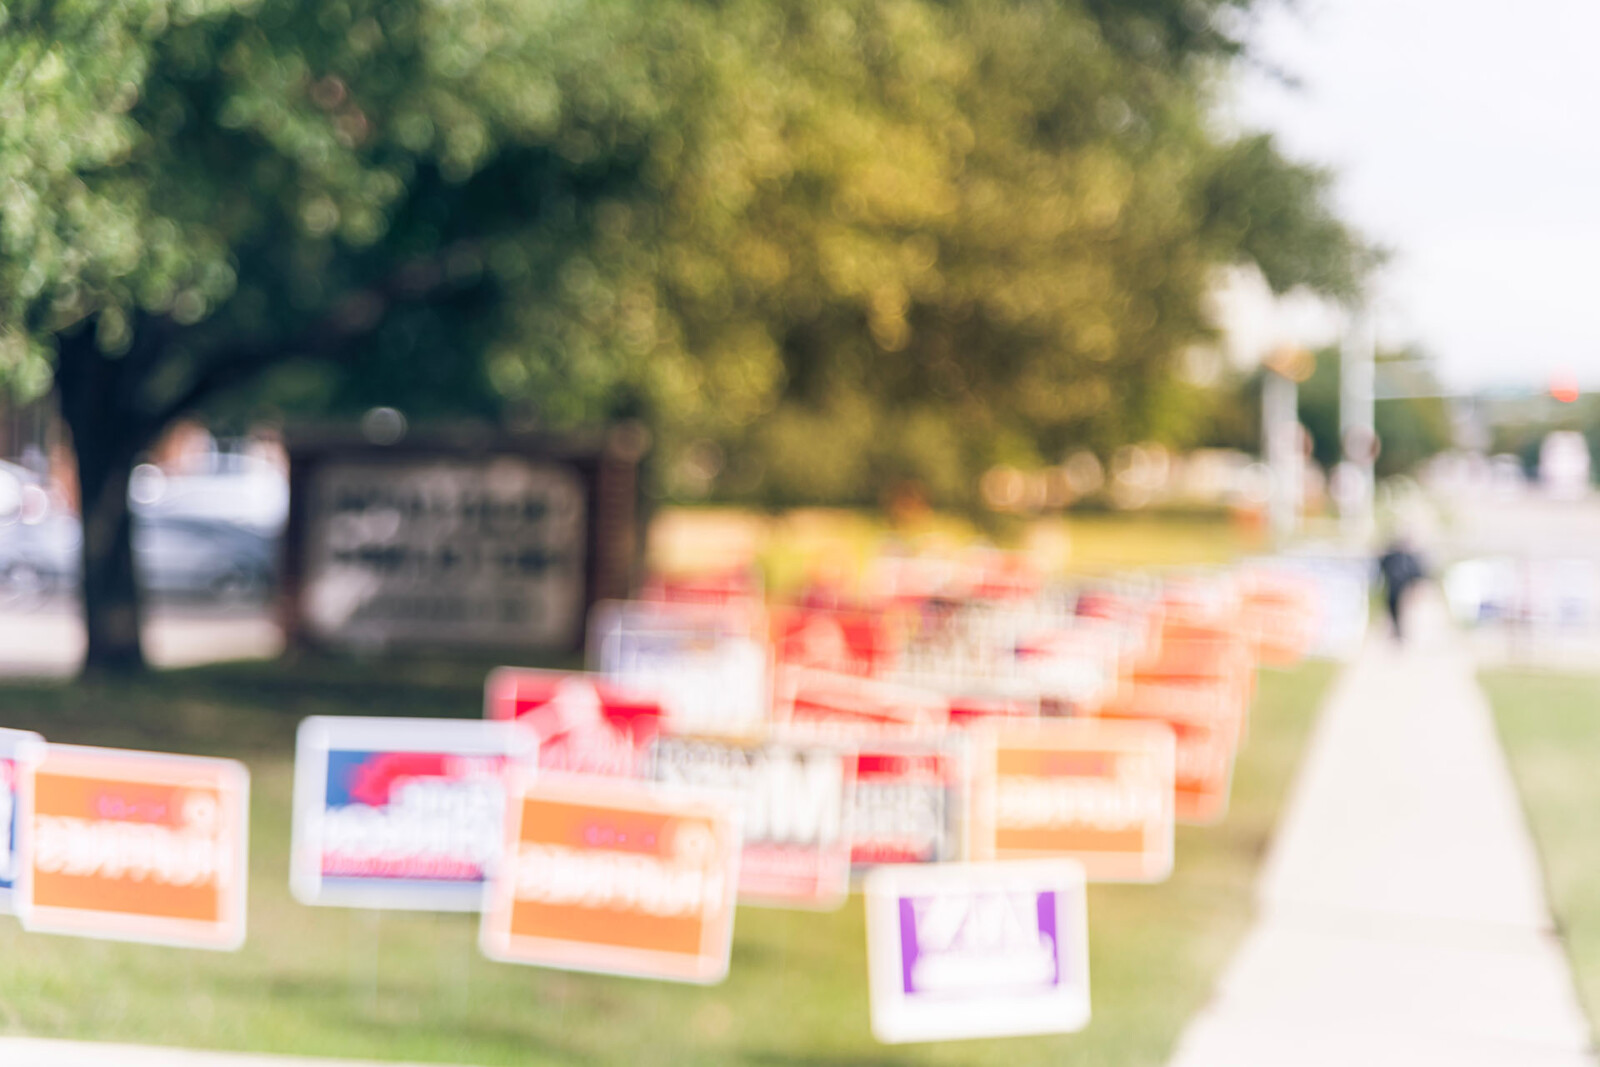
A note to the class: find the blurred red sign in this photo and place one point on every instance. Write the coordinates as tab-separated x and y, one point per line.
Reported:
812	698
1204	778
721	587
584	724
908	804
848	642
1279	616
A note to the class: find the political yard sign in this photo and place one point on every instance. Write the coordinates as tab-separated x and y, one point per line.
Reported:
796	802
615	877
135	846
977	950
400	813
18	750
908	804
466	543
584	724
1097	791
708	663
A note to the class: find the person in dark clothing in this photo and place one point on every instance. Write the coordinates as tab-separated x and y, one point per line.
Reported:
1400	569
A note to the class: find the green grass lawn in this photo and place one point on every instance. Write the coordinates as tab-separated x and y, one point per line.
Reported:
1550	724
334	982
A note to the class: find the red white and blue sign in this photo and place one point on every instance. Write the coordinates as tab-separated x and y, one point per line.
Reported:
401	813
908	804
18	749
977	950
584	724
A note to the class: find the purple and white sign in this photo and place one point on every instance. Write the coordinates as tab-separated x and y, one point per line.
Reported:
977	950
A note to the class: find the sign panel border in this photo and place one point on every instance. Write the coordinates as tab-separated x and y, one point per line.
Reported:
896	1019
226	935
318	735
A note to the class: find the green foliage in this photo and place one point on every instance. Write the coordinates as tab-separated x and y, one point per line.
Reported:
1547	725
1415	426
1411	426
1277	214
842	243
1518	425
1319	409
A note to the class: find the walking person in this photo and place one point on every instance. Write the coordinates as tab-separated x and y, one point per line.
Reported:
1401	569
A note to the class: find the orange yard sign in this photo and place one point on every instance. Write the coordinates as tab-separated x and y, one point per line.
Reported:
1204	773
1201	682
135	846
621	880
1092	790
1201	675
1279	615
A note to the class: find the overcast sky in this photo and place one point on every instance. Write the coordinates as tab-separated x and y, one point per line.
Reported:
1467	139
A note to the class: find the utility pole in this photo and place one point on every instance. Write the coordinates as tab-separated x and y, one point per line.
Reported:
1358	435
1286	367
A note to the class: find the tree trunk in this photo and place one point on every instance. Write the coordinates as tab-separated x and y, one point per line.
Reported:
110	590
107	436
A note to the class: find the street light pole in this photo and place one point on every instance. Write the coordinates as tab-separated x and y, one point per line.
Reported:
1285	368
1358	434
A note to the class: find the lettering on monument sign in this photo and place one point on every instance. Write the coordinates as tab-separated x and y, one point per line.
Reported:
19	749
434	550
400	813
135	846
796	802
1098	791
977	950
615	877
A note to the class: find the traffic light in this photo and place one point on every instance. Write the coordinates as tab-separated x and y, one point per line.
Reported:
1564	387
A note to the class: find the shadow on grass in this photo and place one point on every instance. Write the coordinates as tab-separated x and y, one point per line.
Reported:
251	706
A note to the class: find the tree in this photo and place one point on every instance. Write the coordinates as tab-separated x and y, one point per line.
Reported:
1015	279
842	241
196	192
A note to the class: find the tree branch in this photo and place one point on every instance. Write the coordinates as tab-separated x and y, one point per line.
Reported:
355	315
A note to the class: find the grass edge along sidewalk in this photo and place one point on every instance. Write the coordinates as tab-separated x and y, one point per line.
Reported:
330	982
1549	725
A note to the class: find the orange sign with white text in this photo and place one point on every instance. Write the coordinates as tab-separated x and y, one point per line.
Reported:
622	879
135	846
1092	790
1205	772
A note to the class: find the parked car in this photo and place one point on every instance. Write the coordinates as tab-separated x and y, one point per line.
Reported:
202	558
38	558
174	557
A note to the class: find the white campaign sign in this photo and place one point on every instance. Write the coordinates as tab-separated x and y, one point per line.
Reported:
709	665
796	812
401	813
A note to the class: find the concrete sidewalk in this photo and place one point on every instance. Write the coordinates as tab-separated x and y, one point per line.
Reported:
1403	918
